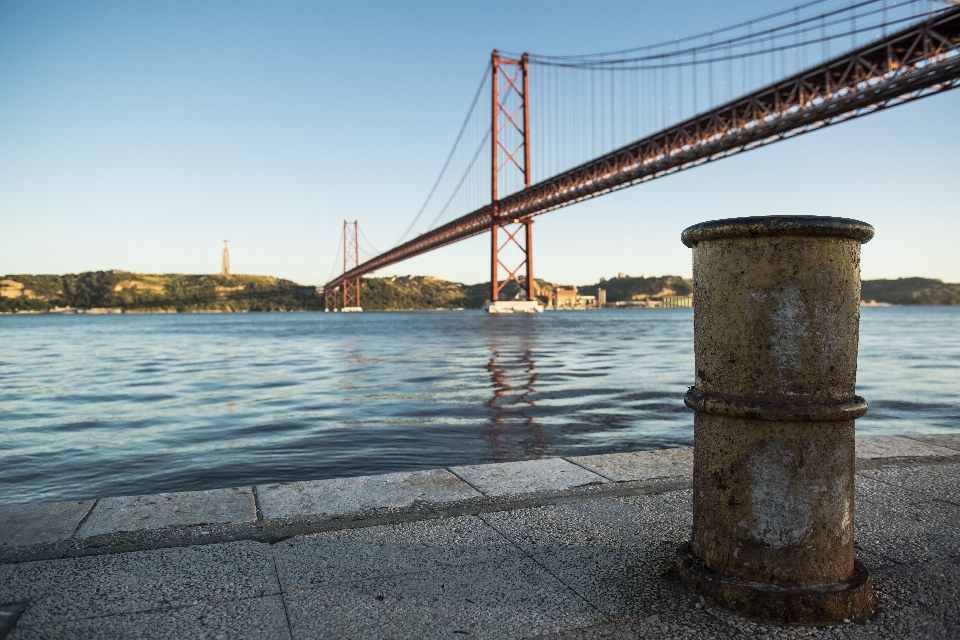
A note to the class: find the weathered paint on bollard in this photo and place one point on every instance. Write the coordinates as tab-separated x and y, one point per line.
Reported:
776	330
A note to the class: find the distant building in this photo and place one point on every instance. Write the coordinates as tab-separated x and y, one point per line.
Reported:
677	301
622	275
565	297
569	298
225	270
601	297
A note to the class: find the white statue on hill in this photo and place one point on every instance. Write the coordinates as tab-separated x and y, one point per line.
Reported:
225	271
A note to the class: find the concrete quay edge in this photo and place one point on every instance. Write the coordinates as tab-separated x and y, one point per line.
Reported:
278	511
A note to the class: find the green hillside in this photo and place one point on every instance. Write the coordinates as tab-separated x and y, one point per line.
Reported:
138	292
624	289
410	292
910	291
145	292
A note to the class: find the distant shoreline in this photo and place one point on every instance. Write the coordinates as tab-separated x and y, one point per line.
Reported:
141	312
113	292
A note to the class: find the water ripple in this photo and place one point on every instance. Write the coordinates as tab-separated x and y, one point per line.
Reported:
119	405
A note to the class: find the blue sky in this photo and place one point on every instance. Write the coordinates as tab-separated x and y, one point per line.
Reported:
139	135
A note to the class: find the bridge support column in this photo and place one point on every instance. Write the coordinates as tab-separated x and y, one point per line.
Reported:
510	142
513	234
776	330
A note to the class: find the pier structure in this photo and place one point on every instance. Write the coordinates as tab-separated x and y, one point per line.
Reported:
579	547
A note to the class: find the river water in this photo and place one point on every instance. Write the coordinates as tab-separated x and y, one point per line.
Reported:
96	406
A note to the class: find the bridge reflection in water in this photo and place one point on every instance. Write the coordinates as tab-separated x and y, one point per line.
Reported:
512	429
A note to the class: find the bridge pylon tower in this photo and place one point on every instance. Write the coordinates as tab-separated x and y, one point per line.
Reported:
510	136
345	292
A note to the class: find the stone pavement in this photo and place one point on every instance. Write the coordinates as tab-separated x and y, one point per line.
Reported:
560	548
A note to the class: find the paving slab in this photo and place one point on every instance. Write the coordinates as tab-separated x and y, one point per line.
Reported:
873	447
948	440
613	552
96	586
349	495
582	564
246	618
913	602
640	465
907	533
870	490
922	482
376	552
38	523
510	597
508	478
139	513
897	526
6	570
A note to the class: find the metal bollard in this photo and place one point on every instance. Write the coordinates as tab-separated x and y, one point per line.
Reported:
776	330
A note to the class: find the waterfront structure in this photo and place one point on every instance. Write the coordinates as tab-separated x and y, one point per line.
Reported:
673	302
570	298
462	548
565	297
514	306
641	300
225	265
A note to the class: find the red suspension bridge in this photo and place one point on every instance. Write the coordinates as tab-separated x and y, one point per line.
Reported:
602	122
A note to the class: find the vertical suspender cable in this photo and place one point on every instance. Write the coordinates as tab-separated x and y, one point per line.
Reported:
823	35
773	62
710	75
693	72
593	113
682	101
853	32
729	74
603	109
613	119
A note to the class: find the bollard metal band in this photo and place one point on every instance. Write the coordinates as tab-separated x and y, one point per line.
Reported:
759	226
851	599
791	409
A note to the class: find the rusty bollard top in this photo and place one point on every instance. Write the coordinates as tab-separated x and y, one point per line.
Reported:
792	312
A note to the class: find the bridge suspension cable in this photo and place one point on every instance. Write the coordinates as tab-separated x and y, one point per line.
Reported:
456	145
463	179
671	43
850	12
370	248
